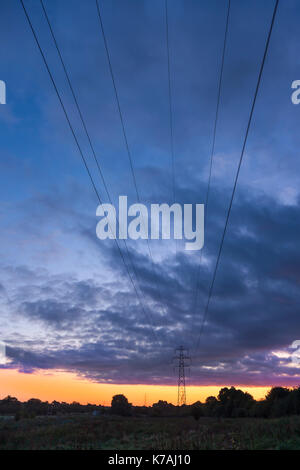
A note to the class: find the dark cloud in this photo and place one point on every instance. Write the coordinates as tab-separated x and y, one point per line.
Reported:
254	309
51	311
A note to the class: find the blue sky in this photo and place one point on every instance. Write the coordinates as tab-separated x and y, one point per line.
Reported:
66	302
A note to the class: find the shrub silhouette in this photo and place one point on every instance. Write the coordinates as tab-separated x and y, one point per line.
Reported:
120	405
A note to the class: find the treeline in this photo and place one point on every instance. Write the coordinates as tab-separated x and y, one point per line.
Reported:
234	403
35	407
230	403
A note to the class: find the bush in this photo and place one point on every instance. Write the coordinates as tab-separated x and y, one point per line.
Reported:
120	406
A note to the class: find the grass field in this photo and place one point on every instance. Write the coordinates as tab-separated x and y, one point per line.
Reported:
116	433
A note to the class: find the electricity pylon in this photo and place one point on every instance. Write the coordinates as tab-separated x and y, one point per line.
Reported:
183	361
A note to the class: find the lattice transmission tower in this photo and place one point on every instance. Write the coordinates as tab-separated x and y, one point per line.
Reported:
182	362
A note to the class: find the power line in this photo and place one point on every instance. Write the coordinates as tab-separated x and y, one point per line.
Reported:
238	170
212	148
83	158
75	98
117	98
123	128
170	113
86	129
170	100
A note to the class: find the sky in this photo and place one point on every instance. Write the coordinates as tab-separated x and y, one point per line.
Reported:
68	308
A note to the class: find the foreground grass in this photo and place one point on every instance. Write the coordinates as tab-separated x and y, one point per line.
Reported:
116	433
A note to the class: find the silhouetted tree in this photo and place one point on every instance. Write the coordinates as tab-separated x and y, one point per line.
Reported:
163	408
235	403
211	406
277	402
9	405
277	393
120	405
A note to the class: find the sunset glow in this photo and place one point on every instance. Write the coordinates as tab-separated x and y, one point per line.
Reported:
64	386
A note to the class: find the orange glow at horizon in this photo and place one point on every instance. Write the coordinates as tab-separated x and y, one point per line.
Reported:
68	387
